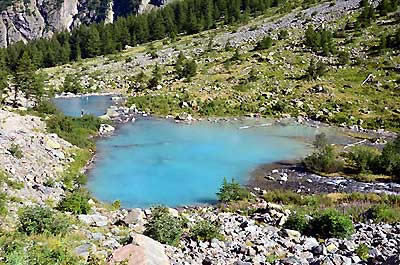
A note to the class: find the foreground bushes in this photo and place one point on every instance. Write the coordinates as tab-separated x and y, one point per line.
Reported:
164	227
232	191
205	231
326	224
383	213
76	202
18	249
324	160
36	220
368	159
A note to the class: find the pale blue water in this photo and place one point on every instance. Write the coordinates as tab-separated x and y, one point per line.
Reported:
95	105
156	161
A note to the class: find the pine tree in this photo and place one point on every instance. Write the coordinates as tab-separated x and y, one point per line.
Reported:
72	84
156	77
24	77
92	43
157	26
3	84
179	65
108	44
190	69
75	43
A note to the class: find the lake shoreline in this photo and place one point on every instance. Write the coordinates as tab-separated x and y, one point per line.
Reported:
256	179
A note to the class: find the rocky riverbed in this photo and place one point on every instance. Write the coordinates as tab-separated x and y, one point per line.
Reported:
291	175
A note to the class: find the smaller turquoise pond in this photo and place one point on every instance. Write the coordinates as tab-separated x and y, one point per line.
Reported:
95	105
155	161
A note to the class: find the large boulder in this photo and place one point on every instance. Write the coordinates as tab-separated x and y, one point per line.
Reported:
93	219
51	144
142	251
106	129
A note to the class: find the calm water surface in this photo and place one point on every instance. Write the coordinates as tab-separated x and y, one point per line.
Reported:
95	105
154	161
160	162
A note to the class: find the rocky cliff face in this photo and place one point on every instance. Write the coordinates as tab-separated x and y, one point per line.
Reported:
28	20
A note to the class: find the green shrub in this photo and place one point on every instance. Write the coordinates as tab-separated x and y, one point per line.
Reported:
331	223
42	220
283	197
17	249
320	140
72	84
283	34
389	161
232	191
364	158
264	44
316	69
297	221
15	151
362	251
325	160
116	204
3	203
76	202
321	40
75	130
46	107
164	227
343	57
41	254
383	213
205	231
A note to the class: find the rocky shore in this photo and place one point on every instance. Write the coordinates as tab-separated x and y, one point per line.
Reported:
257	238
33	158
291	175
254	238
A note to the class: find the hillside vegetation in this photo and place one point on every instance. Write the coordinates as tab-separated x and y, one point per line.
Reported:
312	63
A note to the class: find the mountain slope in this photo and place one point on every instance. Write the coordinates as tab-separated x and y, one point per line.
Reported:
32	19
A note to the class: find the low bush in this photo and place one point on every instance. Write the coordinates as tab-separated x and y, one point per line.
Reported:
365	159
232	191
76	202
283	34
73	177
116	205
205	231
42	220
330	223
46	107
77	131
3	203
297	221
40	254
164	227
17	249
383	213
264	44
15	151
283	197
362	251
324	160
389	161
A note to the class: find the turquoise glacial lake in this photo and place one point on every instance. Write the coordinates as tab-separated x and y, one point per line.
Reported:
156	161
